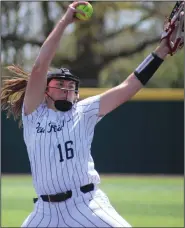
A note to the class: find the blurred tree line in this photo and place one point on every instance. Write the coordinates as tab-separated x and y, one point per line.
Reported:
102	51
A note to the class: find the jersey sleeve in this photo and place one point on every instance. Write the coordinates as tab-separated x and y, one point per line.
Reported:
90	109
32	117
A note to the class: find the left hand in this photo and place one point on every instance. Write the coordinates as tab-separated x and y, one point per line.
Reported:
172	38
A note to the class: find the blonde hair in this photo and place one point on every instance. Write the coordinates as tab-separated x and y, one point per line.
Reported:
13	92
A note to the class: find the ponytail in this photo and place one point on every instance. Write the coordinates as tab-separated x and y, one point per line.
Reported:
13	92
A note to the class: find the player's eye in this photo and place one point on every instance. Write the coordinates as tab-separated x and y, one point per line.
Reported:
60	85
71	86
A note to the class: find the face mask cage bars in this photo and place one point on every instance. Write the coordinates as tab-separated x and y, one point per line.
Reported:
66	89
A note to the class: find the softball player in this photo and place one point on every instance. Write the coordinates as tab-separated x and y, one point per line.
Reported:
58	132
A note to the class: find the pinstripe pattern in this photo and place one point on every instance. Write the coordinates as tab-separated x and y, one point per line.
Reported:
40	159
42	218
59	150
26	133
62	174
95	224
71	162
32	217
80	215
76	168
67	177
51	181
64	223
109	213
46	161
75	220
98	222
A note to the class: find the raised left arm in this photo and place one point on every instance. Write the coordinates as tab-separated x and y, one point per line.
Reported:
171	41
118	95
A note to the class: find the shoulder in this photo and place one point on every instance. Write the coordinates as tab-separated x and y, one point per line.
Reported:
37	113
88	104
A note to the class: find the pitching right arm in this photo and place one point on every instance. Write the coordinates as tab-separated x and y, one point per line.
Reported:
37	81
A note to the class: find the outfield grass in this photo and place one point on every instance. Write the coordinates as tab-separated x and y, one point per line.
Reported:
142	201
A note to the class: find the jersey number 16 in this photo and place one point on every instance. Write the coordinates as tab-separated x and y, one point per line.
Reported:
68	149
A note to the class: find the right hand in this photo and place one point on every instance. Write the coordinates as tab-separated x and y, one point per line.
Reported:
69	16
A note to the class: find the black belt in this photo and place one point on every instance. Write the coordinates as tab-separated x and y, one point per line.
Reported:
65	195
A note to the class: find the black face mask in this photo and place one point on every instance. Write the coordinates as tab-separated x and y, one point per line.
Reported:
62	105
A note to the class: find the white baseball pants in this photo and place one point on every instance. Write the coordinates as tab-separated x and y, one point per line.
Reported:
91	209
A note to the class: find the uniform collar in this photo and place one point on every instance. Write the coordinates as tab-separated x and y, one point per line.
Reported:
58	114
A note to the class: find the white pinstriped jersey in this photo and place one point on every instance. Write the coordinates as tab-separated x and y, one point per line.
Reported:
59	146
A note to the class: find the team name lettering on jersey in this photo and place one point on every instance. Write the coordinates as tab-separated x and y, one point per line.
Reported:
52	127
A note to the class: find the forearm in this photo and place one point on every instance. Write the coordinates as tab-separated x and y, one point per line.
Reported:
161	52
130	87
50	45
132	84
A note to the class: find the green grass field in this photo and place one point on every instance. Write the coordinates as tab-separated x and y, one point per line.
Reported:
150	201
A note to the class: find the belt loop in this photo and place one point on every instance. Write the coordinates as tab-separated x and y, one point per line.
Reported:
49	198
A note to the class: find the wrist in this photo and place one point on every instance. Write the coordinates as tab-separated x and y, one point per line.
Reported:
148	67
63	22
161	52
